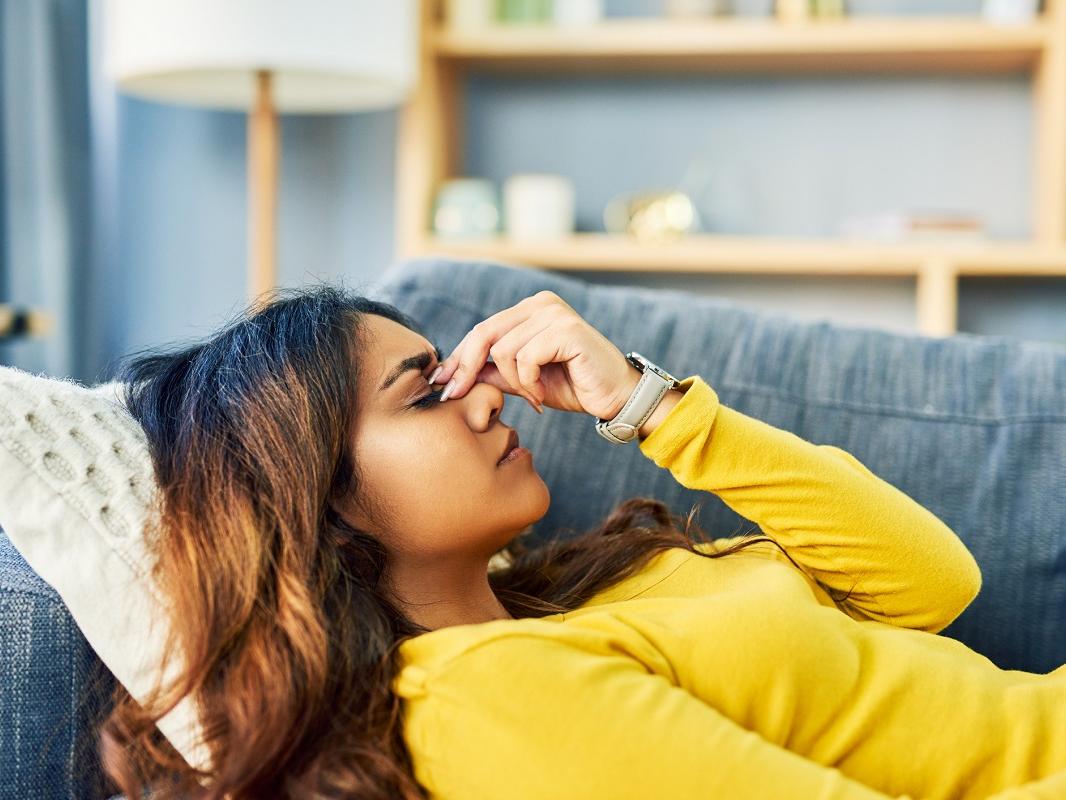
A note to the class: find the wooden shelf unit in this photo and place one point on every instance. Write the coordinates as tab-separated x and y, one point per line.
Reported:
431	137
749	45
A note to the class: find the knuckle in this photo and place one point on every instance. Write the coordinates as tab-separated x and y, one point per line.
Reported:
528	368
560	312
571	323
502	352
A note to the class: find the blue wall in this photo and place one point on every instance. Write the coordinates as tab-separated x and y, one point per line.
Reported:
768	155
181	257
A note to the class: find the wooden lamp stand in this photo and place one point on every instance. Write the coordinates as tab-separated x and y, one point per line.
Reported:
263	153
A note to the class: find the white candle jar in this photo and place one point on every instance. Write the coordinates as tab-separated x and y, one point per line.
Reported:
568	13
538	206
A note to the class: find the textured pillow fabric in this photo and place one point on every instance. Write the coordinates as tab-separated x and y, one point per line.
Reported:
77	502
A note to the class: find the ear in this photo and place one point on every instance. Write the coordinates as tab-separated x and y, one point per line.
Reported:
351	511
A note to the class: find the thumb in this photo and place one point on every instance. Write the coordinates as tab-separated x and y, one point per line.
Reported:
489	373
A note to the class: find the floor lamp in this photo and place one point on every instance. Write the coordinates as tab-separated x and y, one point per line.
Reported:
266	58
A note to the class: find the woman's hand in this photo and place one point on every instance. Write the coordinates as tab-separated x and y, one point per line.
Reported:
544	351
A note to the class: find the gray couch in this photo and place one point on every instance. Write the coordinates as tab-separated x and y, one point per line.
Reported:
974	428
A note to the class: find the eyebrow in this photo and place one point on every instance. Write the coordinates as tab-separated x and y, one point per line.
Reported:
421	362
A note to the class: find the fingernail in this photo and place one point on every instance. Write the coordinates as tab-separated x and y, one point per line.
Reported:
436	372
448	389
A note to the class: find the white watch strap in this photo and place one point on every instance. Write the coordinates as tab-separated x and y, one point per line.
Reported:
642	402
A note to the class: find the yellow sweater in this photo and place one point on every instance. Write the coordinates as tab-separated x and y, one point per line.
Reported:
738	677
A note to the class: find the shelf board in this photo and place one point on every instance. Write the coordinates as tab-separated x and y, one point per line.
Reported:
712	253
732	44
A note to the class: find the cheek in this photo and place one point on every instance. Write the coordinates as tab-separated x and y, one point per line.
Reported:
426	470
437	492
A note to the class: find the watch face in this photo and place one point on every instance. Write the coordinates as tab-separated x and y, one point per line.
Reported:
642	363
637	360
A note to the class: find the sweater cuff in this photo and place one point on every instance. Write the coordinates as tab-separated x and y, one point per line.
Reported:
695	411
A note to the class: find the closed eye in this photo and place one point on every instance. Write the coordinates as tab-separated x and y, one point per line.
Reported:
428	400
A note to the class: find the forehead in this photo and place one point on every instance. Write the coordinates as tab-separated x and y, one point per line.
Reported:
386	344
386	336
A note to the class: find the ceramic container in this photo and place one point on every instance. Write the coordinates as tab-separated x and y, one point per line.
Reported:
466	207
538	206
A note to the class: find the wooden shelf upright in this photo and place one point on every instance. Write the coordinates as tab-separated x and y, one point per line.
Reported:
431	136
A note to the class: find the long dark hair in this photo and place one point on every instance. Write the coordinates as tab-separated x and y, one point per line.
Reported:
288	643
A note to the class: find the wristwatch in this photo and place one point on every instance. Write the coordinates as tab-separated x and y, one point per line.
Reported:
653	385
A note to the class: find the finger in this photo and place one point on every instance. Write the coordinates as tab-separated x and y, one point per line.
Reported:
490	374
474	346
505	350
529	372
470	354
542	349
466	358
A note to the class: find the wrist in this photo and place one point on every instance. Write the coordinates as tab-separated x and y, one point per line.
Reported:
668	401
659	414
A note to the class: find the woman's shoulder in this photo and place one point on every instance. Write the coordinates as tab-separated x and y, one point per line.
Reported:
506	646
429	656
433	650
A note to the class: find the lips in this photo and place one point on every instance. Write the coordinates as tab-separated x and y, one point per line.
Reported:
512	443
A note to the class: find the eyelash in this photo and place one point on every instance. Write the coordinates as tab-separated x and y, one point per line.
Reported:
425	402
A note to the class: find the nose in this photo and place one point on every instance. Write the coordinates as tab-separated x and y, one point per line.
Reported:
484	404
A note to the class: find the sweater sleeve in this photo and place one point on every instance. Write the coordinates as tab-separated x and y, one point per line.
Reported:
570	725
845	526
1051	787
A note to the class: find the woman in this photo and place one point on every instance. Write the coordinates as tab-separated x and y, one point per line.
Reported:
329	525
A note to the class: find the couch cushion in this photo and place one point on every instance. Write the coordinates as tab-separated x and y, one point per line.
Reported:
973	428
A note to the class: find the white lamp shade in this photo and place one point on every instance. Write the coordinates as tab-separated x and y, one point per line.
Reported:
325	55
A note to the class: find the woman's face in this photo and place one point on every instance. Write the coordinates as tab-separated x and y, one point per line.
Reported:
433	466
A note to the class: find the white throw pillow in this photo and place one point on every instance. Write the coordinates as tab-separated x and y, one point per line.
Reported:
77	501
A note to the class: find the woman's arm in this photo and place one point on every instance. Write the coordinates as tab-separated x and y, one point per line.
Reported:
525	717
1053	787
847	527
670	399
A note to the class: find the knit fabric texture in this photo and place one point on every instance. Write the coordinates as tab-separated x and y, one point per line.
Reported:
84	446
78	502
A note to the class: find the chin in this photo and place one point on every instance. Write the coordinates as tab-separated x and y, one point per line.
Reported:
531	501
546	498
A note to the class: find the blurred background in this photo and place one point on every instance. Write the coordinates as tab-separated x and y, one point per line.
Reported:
811	158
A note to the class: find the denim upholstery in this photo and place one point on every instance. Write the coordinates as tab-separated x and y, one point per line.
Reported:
53	689
974	428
